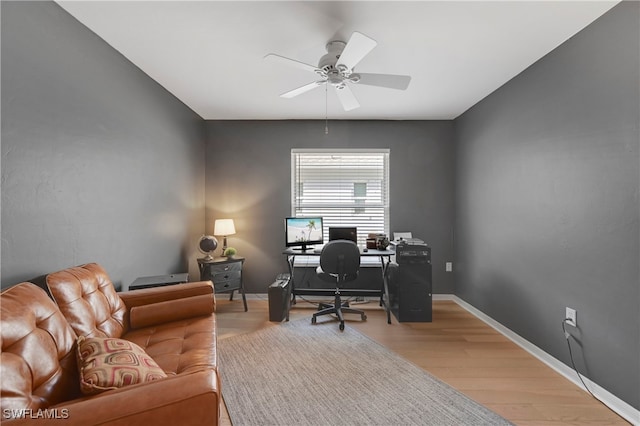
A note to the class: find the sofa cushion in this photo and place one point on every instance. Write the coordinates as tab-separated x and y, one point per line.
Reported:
38	363
180	347
88	300
109	363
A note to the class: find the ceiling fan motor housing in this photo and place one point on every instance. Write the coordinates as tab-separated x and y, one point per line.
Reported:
336	76
334	49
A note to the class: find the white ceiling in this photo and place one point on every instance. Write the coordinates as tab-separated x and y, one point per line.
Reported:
209	54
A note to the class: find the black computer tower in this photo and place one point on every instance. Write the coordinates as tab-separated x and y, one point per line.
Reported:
409	284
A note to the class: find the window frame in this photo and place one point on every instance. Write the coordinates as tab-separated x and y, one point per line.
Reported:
376	202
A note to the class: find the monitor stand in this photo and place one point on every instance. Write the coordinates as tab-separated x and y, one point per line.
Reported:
303	248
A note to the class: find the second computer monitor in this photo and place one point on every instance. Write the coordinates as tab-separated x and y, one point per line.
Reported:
343	233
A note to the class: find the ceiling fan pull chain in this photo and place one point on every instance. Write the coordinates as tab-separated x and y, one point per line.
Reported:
326	109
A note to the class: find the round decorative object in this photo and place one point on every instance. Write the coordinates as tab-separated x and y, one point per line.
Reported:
230	252
207	245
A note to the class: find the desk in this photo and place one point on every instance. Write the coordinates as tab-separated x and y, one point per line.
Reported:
383	293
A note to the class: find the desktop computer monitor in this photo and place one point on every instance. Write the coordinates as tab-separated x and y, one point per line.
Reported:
343	233
302	232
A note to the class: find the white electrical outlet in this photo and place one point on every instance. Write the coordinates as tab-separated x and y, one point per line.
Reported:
449	266
571	317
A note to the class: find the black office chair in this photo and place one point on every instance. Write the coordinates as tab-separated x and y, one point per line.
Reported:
339	263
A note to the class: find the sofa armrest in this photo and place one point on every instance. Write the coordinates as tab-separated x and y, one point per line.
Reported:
183	399
147	296
171	310
159	305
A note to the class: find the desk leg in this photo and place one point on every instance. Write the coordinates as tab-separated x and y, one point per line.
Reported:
292	294
384	298
288	298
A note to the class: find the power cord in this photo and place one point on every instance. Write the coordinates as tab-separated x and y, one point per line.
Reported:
567	336
317	303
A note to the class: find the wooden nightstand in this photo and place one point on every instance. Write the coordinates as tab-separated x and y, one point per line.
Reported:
226	274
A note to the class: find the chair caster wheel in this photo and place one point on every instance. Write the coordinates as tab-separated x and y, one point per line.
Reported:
341	327
313	320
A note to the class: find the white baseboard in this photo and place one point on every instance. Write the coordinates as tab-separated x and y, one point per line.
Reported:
623	409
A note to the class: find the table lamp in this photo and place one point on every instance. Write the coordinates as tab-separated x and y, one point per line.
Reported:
223	228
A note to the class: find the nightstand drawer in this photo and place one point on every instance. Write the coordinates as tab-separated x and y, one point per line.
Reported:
223	286
235	266
219	277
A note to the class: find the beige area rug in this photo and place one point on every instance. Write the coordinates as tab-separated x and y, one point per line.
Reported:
296	373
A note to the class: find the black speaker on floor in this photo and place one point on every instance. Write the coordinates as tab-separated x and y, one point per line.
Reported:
279	293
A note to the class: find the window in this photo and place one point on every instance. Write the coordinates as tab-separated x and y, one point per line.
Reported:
345	187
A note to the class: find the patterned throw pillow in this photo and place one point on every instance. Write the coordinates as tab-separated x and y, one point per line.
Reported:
107	363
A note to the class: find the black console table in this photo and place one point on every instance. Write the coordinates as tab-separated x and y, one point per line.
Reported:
159	281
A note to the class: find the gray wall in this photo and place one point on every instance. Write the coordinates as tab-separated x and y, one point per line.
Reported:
248	178
99	163
547	172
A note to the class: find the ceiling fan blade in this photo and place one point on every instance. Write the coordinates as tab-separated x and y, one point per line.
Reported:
302	89
347	98
358	46
391	81
292	62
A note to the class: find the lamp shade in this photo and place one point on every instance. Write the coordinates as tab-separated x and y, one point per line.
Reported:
224	227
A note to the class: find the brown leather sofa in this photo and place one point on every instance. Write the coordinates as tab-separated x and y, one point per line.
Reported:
174	325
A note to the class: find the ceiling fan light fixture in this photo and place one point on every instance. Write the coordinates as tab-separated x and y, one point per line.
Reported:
335	79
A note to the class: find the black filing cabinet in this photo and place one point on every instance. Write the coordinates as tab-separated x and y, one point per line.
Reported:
226	274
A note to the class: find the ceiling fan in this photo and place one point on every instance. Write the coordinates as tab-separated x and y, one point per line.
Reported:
337	69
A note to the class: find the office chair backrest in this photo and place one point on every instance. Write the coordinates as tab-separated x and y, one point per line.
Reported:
341	258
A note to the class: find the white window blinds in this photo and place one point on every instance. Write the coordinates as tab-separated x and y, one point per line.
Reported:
345	187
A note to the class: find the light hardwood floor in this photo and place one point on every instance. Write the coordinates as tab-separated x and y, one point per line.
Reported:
462	351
